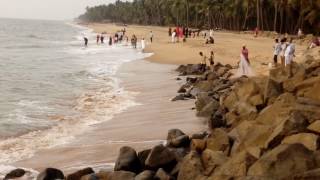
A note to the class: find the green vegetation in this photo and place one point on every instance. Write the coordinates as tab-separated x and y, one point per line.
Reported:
273	15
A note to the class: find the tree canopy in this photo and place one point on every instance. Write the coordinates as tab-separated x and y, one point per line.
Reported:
283	16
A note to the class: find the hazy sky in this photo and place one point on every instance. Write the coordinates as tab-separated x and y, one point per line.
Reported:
46	9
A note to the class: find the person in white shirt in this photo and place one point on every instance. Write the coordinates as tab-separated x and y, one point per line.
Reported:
277	50
173	36
211	33
289	55
143	44
283	49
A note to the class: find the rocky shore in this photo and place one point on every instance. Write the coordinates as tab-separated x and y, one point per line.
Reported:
258	128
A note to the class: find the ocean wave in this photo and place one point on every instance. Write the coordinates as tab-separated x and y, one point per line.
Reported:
94	107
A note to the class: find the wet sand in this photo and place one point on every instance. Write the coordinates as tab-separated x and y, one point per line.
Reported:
141	126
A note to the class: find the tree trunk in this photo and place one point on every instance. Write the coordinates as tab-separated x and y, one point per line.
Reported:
246	17
258	13
275	16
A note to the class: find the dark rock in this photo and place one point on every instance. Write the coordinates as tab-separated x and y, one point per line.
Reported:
181	141
77	175
199	135
160	156
128	160
162	175
50	173
179	97
209	109
143	155
145	175
15	174
174	133
272	90
178	79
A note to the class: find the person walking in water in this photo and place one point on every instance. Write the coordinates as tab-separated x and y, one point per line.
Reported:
85	41
143	44
110	41
151	36
98	38
102	38
276	53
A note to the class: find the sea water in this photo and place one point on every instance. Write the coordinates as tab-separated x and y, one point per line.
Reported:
52	87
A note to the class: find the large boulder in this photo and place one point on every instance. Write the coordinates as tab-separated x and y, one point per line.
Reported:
198	145
308	175
162	175
16	173
293	124
309	140
315	126
219	141
145	175
77	175
212	160
142	156
283	161
237	165
122	175
51	173
209	109
128	160
202	100
191	167
160	157
272	90
176	138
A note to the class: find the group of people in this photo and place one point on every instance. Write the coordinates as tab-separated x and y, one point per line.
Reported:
284	49
207	61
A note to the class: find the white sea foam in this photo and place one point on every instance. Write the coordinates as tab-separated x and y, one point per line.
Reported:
96	104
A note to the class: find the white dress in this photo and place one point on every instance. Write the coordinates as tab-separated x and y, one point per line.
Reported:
289	53
173	37
244	68
143	44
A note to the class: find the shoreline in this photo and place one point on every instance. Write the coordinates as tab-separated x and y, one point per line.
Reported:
156	90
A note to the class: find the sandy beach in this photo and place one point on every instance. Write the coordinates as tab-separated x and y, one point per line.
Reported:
154	81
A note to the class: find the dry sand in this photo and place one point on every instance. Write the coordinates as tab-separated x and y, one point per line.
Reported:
227	46
147	124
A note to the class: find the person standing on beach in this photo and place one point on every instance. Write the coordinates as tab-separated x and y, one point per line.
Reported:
170	31
244	64
277	50
173	36
151	36
300	33
256	32
211	61
85	41
143	44
289	55
283	50
203	59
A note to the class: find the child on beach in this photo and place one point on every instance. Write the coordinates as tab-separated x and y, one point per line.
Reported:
277	50
173	36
